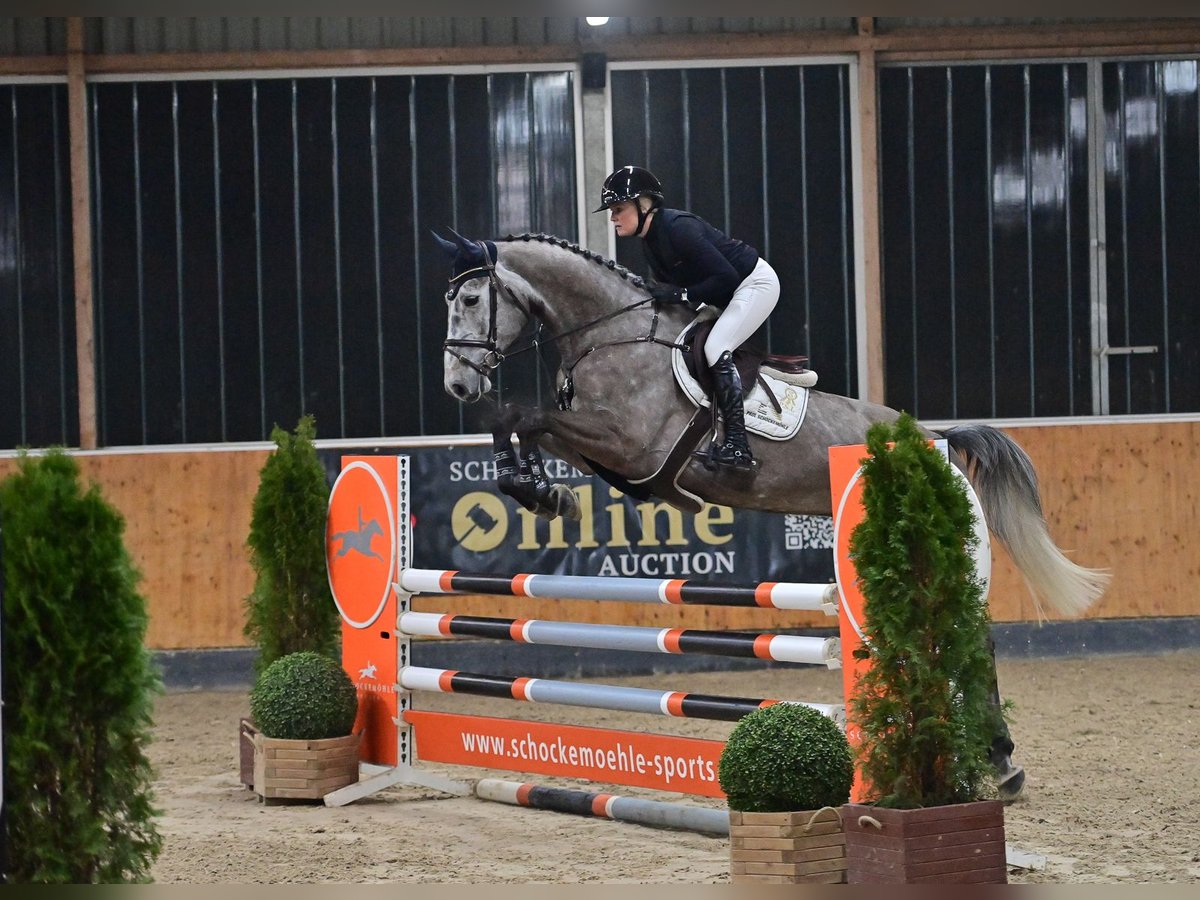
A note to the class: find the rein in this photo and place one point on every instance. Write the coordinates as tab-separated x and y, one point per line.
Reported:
493	357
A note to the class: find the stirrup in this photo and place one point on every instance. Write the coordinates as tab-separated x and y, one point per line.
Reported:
738	460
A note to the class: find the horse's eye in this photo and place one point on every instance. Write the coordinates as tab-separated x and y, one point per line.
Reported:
471	300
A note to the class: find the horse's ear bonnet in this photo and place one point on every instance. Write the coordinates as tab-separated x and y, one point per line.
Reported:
465	254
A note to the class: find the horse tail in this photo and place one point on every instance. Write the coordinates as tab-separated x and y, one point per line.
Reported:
1004	478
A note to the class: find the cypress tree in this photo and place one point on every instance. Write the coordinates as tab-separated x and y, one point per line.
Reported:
291	607
78	685
923	708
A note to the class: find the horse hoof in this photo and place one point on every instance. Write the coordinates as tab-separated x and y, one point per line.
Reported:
1011	784
566	503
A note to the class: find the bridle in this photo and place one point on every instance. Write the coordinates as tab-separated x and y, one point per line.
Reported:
492	356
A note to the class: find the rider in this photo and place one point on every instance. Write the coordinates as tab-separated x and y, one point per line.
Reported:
693	262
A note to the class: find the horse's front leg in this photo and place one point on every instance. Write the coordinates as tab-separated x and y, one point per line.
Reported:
524	478
551	500
505	457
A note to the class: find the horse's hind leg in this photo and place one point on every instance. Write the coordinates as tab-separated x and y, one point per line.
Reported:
1010	778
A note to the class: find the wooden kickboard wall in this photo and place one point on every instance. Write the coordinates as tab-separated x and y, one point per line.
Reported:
1122	496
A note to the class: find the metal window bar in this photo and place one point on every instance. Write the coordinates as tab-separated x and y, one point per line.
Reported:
724	149
991	243
1165	339
22	391
1097	228
180	310
337	257
766	171
804	225
1122	131
141	271
849	345
220	263
258	263
98	269
1071	273
60	220
912	247
1028	163
453	117
375	258
416	218
951	241
297	247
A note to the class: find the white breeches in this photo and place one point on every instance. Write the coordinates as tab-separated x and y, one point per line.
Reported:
751	304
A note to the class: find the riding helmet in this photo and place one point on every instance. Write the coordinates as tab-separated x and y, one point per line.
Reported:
629	183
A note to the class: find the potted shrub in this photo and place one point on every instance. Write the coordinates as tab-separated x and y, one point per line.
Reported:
290	608
304	705
923	708
79	685
785	770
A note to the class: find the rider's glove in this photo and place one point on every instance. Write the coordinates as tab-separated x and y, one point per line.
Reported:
668	293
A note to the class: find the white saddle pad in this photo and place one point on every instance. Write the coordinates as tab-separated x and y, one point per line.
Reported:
790	390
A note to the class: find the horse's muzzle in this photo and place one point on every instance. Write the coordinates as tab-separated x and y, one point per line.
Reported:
464	393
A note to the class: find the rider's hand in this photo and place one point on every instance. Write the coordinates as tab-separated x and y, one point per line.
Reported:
668	293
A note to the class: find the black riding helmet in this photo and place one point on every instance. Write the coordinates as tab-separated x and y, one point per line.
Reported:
629	183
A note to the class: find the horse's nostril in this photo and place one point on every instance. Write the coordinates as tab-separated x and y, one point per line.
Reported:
458	389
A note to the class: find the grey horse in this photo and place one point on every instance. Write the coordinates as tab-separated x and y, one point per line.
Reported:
622	415
626	412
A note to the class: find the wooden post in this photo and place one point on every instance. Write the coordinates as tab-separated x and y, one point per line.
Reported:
872	325
81	229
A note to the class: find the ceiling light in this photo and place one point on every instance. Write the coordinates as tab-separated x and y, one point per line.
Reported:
597	20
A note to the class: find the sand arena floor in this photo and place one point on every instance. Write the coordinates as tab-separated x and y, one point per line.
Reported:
1109	744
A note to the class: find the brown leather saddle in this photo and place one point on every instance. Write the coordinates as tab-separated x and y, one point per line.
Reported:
664	482
749	360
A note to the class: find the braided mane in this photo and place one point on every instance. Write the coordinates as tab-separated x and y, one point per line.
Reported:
610	264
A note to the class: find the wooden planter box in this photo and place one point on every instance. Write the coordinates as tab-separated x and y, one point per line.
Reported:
962	844
303	770
787	847
246	733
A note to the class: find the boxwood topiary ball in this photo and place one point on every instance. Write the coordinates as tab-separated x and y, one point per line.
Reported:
304	696
786	757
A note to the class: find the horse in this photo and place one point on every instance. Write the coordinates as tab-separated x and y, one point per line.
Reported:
622	415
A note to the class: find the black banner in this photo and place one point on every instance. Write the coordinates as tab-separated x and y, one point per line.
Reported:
461	521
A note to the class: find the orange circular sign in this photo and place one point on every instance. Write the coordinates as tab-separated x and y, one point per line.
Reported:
360	544
849	513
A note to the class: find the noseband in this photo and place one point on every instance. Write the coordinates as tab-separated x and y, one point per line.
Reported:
492	356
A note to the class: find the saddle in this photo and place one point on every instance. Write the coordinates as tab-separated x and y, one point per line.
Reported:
749	360
775	388
765	379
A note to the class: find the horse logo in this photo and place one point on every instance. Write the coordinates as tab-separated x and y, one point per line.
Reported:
360	540
368	671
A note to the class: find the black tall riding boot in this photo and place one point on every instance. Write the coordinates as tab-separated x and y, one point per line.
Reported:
735	451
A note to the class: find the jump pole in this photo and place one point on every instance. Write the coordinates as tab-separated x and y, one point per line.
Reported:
655	813
376	591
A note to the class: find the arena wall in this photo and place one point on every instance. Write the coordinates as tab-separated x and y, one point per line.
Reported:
1123	495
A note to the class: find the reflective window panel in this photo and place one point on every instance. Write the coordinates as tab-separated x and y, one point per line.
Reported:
984	203
1152	244
263	247
39	401
763	153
